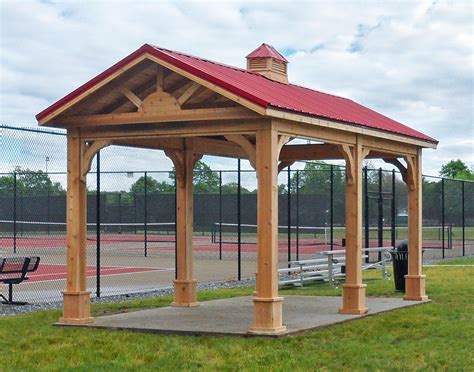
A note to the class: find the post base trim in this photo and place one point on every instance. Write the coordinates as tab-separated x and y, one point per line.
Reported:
267	316
415	288
76	308
185	293
76	320
266	331
353	299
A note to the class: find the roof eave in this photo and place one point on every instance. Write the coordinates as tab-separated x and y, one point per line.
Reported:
280	113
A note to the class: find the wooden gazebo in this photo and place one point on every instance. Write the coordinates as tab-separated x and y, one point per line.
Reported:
188	107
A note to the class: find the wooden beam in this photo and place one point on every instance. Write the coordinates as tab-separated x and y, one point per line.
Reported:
226	113
191	88
248	146
201	145
178	129
131	96
321	151
374	134
415	280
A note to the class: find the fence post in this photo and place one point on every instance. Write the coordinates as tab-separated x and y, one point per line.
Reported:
394	214
331	206
297	214
380	222
21	212
366	211
14	210
145	211
135	213
176	226
442	214
97	225
48	210
463	221
220	215
239	222
288	214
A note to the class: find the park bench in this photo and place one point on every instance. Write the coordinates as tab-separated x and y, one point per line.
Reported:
14	270
328	269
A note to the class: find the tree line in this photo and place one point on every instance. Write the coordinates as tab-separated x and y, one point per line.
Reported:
315	178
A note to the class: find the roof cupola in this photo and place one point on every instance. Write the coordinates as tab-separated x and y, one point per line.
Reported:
267	61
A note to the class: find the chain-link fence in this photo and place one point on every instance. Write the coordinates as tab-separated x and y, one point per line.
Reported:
131	221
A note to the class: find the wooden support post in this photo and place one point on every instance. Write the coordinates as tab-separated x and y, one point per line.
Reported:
185	285
353	296
415	280
267	303
76	298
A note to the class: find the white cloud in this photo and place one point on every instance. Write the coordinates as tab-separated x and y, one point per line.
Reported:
412	61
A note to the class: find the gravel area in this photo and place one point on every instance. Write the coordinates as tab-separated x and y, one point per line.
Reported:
6	310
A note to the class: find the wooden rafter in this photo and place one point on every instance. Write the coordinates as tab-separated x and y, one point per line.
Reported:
191	88
160	79
131	96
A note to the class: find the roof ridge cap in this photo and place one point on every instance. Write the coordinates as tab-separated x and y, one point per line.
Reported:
206	60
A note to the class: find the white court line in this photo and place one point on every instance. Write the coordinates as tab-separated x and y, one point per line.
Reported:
448	265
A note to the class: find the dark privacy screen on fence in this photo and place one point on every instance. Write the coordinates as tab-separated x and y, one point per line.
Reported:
131	216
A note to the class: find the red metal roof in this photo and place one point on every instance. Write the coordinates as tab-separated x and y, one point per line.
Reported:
261	91
266	51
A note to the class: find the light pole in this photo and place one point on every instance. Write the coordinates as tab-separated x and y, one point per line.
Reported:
47	161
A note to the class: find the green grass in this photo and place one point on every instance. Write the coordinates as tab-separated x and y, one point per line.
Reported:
457	261
439	335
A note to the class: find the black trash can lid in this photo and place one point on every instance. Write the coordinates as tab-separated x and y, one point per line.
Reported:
402	246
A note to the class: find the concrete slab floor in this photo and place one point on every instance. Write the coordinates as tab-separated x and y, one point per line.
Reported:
233	316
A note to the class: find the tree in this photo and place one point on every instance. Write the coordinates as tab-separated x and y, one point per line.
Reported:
231	188
152	186
30	182
7	184
457	169
205	180
315	178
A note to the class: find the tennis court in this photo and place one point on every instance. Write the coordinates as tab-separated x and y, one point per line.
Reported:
48	272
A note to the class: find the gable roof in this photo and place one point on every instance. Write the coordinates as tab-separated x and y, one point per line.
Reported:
266	51
261	91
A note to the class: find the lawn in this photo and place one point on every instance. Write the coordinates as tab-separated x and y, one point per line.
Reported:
439	335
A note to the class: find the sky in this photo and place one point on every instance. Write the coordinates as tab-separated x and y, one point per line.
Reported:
410	60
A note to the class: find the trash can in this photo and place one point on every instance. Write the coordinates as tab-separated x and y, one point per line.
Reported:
400	265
